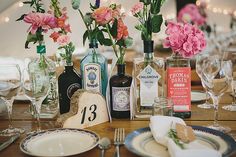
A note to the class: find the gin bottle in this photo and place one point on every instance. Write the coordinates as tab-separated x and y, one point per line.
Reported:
68	82
120	93
149	76
50	104
179	84
93	69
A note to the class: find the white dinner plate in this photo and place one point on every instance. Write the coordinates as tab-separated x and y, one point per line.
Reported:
59	142
142	143
197	96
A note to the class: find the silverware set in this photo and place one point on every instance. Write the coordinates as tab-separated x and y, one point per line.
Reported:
119	139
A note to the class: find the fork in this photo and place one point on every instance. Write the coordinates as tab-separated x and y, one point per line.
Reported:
119	139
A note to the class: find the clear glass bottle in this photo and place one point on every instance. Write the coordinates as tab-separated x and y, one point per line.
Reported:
149	81
120	93
93	69
69	81
50	104
179	84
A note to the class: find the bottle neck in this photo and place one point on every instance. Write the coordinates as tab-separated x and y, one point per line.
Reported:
148	46
93	44
120	69
69	68
148	56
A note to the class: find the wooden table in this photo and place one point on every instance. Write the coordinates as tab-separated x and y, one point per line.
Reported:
23	119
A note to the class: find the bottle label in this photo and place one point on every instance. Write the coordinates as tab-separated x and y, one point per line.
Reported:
121	98
148	85
179	88
92	77
72	89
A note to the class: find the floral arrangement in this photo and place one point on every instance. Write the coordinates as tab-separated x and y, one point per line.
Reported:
110	20
191	14
147	13
61	30
105	25
185	39
40	22
93	32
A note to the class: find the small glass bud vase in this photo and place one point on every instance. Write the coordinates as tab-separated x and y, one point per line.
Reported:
179	84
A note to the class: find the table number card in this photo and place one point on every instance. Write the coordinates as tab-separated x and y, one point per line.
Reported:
87	109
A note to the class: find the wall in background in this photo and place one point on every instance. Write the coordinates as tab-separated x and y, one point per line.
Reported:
13	34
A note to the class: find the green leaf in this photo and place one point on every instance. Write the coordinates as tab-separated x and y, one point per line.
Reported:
156	22
107	42
92	7
85	36
30	38
21	18
146	2
120	43
128	42
113	29
100	37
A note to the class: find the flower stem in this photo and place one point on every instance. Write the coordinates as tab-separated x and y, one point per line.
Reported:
113	45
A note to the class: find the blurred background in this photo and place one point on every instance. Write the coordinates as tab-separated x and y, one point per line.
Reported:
13	34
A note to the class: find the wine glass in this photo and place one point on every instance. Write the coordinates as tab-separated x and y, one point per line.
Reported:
36	88
216	77
10	85
199	63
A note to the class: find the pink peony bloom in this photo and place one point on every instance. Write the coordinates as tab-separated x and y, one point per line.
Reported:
186	39
137	8
191	14
63	40
44	20
102	15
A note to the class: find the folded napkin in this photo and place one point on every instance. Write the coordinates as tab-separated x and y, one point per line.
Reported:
160	126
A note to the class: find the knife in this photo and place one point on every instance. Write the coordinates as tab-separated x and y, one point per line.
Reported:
9	141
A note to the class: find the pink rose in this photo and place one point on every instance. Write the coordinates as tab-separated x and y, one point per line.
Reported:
44	20
102	15
187	46
137	8
63	40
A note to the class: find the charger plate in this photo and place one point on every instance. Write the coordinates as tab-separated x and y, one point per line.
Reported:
59	142
142	143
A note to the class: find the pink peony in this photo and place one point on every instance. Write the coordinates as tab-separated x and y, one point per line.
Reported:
102	15
137	8
63	40
191	14
44	20
186	39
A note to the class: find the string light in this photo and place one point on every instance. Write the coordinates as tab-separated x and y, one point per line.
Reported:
20	4
6	19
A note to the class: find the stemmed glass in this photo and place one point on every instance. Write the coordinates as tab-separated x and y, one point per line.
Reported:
199	65
36	87
10	85
217	77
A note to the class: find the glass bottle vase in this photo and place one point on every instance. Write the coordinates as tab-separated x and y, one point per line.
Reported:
179	84
120	93
149	81
50	103
93	69
69	81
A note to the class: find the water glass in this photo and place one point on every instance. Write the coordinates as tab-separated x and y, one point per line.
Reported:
162	106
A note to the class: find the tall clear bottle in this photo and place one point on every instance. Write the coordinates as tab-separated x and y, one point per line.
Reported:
93	69
149	81
50	104
179	84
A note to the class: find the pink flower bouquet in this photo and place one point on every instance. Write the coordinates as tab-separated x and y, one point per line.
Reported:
184	39
191	14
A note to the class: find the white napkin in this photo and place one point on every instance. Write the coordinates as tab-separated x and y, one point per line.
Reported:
160	126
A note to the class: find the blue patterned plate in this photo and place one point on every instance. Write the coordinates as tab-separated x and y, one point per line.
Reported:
59	142
142	143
